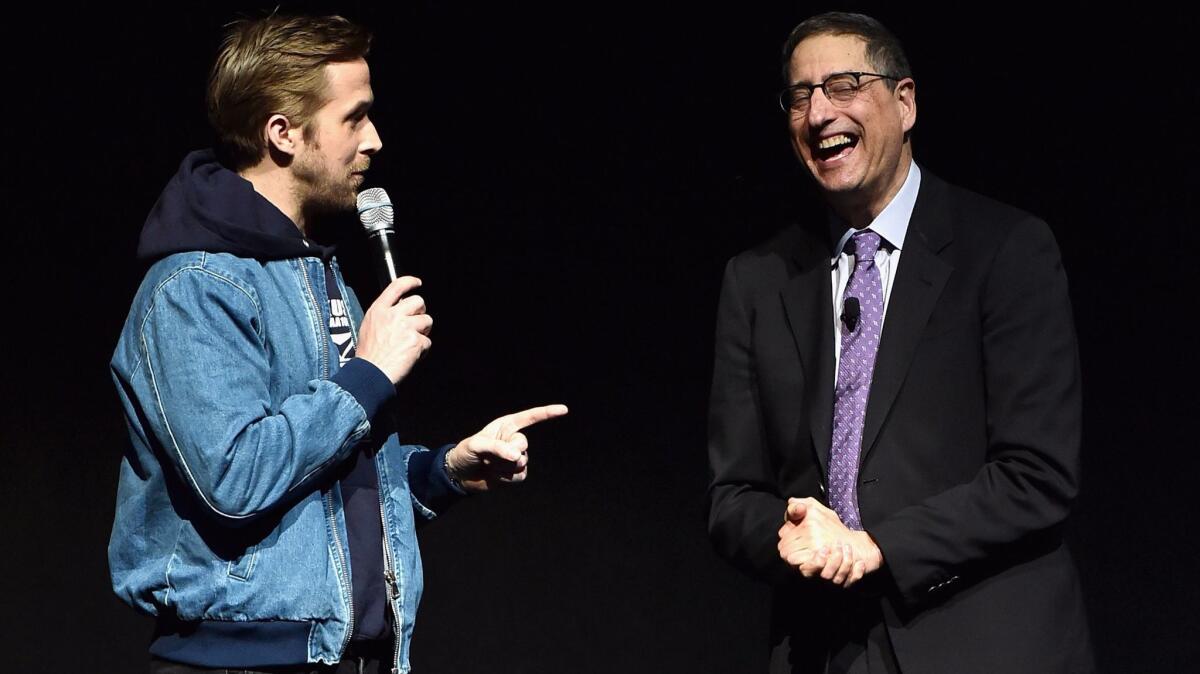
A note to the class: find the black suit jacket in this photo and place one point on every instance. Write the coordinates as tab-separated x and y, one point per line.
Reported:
970	455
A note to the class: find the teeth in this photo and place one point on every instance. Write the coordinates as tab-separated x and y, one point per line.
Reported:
834	141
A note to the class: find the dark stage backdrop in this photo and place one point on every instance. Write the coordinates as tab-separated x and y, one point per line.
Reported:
571	179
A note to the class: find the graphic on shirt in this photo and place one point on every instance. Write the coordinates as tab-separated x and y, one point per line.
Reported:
339	330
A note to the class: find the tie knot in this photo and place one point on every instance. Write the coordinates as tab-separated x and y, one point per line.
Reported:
864	244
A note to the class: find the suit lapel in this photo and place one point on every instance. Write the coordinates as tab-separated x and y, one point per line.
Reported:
920	278
809	308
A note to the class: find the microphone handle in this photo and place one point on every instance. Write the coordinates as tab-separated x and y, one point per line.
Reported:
387	265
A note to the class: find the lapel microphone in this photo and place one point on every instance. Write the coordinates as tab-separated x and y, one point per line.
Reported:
850	313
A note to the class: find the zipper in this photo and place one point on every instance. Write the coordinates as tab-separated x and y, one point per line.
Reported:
323	351
347	587
389	575
322	344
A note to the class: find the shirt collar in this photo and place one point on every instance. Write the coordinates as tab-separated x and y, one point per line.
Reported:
892	223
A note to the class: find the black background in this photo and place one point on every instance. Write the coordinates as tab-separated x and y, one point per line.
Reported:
571	179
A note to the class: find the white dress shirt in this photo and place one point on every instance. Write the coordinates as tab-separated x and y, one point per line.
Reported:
891	225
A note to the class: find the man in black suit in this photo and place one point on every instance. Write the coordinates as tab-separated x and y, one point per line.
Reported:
897	385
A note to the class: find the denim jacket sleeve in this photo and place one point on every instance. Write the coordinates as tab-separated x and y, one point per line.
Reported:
212	410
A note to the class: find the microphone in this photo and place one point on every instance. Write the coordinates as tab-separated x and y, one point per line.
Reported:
851	313
377	217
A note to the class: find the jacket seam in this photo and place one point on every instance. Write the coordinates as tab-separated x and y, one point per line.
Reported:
171	564
158	289
154	381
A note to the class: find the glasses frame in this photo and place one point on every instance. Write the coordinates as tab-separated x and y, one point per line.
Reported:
786	94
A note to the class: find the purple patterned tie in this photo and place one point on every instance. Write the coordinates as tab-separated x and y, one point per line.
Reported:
854	377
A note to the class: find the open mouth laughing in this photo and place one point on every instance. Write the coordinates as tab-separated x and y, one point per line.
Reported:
834	147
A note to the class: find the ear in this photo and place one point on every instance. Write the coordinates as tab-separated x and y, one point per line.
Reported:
282	136
906	99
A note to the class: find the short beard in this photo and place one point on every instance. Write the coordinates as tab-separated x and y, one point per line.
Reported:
318	193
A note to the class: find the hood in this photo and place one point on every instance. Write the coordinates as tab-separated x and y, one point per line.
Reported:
207	207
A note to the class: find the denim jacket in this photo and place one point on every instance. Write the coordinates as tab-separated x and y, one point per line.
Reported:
229	522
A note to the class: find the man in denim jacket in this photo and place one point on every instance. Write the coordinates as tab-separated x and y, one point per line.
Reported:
266	511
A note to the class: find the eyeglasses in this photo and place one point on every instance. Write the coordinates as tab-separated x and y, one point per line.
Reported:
839	88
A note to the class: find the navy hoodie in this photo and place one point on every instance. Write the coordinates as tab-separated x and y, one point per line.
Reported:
206	207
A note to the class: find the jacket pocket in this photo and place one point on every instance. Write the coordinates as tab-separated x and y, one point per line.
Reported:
242	567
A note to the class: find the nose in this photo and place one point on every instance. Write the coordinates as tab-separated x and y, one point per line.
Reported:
820	109
371	142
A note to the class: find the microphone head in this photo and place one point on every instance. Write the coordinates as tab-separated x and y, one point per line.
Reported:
375	210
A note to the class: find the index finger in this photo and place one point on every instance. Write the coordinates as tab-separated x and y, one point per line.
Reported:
397	289
526	418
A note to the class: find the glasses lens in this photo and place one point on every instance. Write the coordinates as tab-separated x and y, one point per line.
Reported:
794	99
841	88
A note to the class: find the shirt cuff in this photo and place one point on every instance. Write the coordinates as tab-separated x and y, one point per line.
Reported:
429	482
367	383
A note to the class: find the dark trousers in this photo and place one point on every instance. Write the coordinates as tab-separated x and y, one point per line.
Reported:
868	647
852	639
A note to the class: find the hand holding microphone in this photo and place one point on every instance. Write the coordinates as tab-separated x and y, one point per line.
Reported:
395	330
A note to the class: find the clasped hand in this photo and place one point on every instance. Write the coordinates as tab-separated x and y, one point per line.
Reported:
814	541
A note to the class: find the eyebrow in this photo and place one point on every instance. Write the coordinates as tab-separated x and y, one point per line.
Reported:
360	109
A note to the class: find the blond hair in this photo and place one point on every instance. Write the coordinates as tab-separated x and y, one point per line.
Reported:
274	65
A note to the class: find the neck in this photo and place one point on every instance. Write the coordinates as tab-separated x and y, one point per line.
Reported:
861	209
275	185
